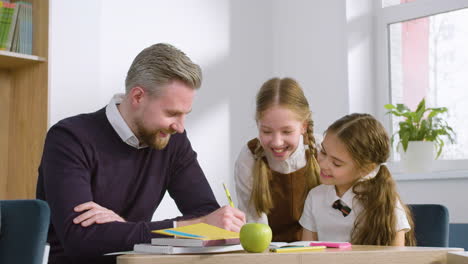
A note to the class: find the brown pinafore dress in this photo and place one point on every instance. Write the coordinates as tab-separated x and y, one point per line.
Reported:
288	192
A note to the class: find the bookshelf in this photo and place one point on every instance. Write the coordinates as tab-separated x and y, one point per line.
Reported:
13	60
23	110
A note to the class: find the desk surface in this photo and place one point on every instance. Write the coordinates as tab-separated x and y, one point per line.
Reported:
355	255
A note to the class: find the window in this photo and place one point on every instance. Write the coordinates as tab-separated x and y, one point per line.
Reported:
422	52
429	58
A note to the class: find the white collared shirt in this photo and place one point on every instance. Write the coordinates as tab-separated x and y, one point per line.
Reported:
120	126
118	123
244	179
329	223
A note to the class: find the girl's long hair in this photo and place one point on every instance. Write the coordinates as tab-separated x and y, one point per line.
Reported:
285	93
368	143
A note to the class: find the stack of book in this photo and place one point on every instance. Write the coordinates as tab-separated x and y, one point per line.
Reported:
16	29
192	239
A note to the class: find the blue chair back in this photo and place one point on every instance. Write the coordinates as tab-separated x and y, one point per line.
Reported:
458	236
23	231
431	224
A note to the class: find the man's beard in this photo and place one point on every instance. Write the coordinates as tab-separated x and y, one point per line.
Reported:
153	138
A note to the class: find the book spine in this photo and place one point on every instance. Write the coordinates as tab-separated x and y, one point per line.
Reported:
2	11
14	47
11	30
5	22
29	32
22	39
147	248
187	242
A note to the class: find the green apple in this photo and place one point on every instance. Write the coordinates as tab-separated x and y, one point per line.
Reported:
255	237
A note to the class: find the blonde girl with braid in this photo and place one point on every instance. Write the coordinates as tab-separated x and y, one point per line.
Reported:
275	171
357	200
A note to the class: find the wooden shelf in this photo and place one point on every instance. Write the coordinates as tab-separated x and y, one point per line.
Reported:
13	60
23	109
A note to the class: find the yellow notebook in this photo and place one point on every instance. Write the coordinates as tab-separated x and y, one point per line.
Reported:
208	235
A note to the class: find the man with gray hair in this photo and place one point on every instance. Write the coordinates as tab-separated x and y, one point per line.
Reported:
105	173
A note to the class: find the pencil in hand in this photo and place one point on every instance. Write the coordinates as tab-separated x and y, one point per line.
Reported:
228	195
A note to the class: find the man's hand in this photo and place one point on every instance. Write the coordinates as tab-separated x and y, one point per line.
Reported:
95	214
226	217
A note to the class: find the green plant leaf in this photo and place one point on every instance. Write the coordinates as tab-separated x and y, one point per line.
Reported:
404	139
389	106
395	113
423	124
420	110
402	108
439	147
421	105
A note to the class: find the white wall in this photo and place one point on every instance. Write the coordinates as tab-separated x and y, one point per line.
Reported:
73	58
231	40
239	43
451	193
310	45
361	82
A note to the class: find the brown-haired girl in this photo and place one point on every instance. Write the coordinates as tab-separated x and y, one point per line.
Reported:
358	200
275	171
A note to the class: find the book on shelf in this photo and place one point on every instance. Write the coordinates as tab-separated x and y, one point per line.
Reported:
169	250
196	235
16	27
11	29
6	16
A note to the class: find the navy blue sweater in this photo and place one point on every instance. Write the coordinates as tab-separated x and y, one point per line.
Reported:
85	160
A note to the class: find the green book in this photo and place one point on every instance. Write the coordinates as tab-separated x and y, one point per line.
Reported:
11	30
5	22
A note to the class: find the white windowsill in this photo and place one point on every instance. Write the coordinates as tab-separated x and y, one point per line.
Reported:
436	175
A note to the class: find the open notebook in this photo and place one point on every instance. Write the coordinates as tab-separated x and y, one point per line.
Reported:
290	244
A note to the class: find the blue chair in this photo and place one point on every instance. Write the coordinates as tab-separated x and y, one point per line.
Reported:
23	231
431	224
458	236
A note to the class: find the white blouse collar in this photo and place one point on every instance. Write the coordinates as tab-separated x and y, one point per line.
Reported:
347	197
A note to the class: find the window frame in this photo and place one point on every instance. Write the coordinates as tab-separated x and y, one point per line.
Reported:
383	19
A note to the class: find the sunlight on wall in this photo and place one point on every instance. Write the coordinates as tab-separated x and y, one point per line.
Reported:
360	54
73	67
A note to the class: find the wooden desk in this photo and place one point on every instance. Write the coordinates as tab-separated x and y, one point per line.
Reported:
356	255
457	257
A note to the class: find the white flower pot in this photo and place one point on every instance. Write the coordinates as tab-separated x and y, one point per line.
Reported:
419	156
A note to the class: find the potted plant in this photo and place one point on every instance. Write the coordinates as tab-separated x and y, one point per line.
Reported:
422	125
